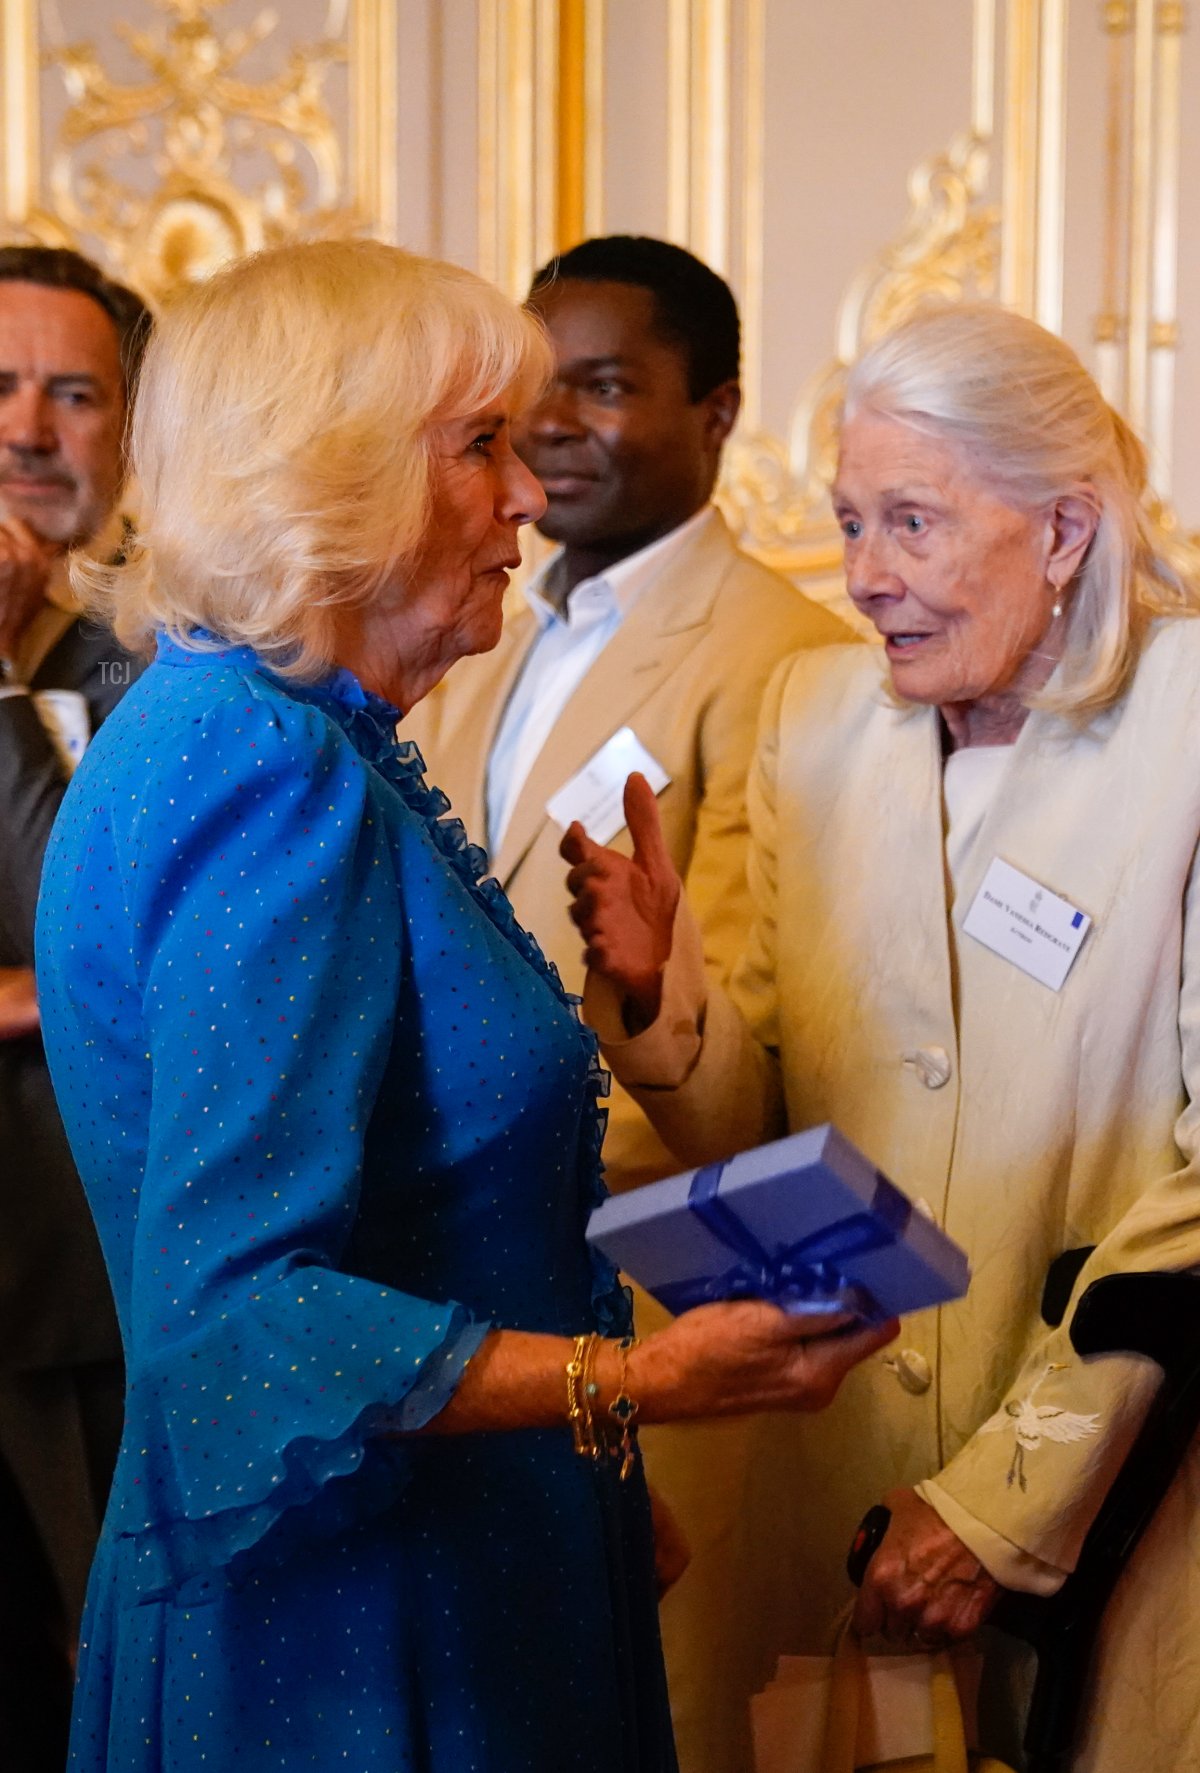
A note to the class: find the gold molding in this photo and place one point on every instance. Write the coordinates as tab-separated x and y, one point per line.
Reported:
580	122
373	43
1018	250
699	103
194	113
545	167
774	495
22	112
570	223
506	138
488	148
1051	165
679	120
754	186
520	142
1151	222
716	72
1163	334
983	69
541	104
1109	326
1034	159
956	243
594	49
1141	217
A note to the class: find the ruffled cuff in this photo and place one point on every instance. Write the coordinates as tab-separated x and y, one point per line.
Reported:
225	1471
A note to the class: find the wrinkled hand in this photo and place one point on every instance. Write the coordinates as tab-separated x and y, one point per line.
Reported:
25	562
18	1003
624	907
744	1355
922	1585
672	1553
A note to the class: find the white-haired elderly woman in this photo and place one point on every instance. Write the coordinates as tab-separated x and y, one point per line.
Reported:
335	1115
977	951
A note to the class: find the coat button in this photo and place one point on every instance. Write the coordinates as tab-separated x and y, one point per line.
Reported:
932	1065
911	1369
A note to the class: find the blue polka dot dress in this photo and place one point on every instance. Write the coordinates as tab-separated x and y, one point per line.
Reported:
335	1117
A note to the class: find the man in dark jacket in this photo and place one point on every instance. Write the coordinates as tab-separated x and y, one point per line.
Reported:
70	343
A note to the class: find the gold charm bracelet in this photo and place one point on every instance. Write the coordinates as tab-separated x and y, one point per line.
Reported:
595	1437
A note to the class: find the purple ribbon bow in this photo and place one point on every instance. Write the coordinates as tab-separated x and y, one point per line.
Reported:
809	1271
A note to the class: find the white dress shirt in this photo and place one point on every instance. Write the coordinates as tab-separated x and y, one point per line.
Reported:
568	643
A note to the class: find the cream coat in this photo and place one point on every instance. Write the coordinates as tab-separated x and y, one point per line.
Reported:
1067	1119
687	670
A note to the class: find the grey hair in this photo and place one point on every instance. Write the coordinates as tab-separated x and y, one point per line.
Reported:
1019	402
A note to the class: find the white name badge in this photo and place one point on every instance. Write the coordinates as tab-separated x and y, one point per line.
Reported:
1027	924
64	714
595	795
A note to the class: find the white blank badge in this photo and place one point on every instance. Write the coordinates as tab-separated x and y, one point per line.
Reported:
595	795
1026	923
64	714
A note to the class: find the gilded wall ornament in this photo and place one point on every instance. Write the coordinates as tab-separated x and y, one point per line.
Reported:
176	173
774	496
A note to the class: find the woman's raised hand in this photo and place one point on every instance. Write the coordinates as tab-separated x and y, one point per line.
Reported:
624	907
726	1360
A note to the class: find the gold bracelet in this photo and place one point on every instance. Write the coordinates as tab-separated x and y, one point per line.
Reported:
582	1392
591	1392
578	1414
624	1410
590	1439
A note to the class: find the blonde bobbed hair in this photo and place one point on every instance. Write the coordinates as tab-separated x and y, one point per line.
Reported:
281	441
1035	427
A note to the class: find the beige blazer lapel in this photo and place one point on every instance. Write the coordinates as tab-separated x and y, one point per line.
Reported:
657	633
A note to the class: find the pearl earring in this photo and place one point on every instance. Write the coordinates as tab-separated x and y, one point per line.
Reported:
1056	607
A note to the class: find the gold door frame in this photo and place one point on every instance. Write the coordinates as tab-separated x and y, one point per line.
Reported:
541	133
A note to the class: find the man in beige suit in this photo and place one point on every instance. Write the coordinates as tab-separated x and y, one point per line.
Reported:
647	618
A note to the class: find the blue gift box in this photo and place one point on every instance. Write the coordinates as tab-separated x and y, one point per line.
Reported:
806	1221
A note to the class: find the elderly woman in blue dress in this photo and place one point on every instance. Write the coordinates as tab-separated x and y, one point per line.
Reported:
336	1117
